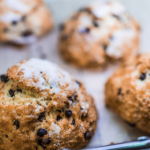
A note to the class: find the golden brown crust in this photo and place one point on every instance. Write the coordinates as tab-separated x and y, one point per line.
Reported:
89	41
25	110
17	25
127	91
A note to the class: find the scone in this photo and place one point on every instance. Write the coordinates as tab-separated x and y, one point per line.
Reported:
128	91
99	33
23	21
44	107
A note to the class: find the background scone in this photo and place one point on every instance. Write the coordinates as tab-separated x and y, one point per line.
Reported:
42	106
128	91
23	21
97	33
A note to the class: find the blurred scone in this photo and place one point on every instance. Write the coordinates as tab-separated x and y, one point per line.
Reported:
98	33
128	91
43	107
23	21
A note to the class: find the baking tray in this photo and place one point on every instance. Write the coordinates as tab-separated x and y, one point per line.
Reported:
110	127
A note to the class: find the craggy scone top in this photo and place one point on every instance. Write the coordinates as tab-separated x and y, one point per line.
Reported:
22	21
42	106
104	29
128	91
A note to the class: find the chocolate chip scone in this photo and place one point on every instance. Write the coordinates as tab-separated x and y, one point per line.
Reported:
23	21
99	33
44	107
128	91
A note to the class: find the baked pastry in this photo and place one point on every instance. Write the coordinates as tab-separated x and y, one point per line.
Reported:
127	91
23	21
44	107
97	34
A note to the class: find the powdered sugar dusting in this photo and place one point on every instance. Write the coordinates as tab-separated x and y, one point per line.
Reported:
14	9
38	109
55	129
119	38
102	11
84	106
43	74
18	5
117	8
8	17
55	103
102	8
142	83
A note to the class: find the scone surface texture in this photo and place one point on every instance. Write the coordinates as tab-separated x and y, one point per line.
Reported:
44	107
23	21
99	34
127	91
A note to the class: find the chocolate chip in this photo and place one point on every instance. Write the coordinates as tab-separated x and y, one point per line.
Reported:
43	142
59	111
41	132
73	122
85	30
26	33
41	116
68	113
78	83
143	76
40	142
87	135
19	91
119	91
105	46
74	97
95	24
116	16
46	141
84	116
11	92
14	22
70	99
4	78
61	27
131	124
17	124
58	118
23	18
6	136
5	30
